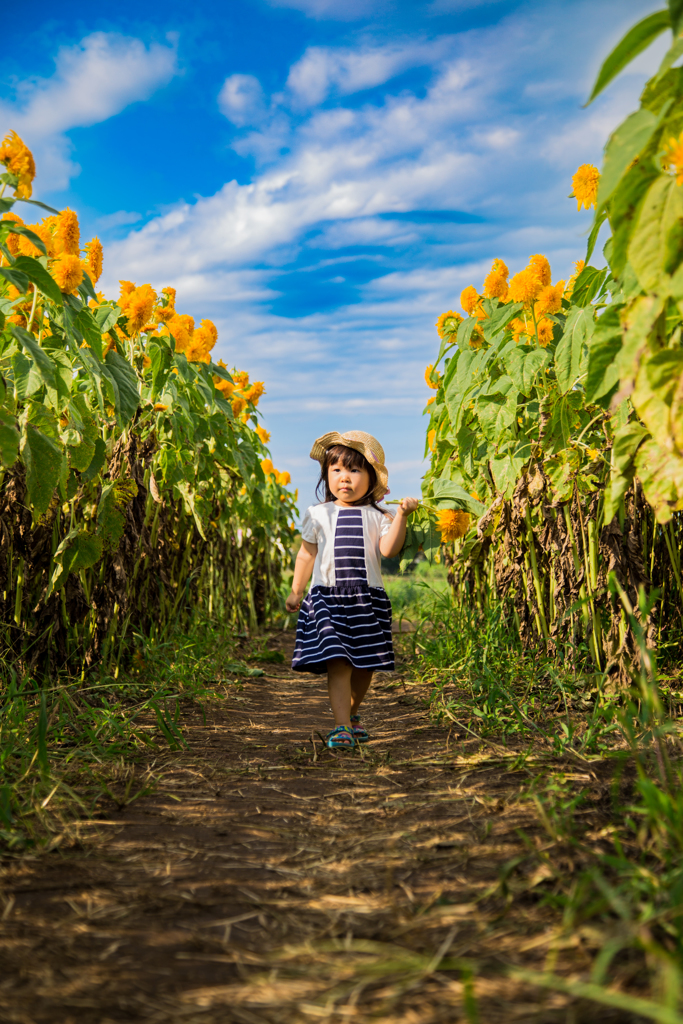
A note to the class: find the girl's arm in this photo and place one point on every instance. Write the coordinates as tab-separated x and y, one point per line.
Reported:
392	542
303	570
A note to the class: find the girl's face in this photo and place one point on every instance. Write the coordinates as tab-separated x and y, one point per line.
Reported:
348	485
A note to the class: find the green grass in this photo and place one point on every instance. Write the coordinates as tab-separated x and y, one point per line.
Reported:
605	777
66	747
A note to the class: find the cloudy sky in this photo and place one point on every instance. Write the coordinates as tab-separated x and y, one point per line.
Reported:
320	177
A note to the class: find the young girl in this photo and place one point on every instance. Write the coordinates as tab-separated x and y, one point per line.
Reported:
344	625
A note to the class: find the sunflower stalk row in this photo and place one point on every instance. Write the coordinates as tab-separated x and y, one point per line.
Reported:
555	436
136	488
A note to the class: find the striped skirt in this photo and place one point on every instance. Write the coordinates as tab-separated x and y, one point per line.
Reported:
344	622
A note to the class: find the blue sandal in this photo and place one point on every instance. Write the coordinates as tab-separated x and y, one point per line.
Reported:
341	738
360	734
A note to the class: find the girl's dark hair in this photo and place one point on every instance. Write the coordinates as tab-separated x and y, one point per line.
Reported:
350	459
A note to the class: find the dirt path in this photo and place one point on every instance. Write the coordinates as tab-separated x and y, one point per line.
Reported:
263	882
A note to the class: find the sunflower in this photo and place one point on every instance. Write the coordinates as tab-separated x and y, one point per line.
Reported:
267	467
550	299
448	323
452	525
18	159
67	236
263	435
67	271
469	299
94	260
496	282
585	186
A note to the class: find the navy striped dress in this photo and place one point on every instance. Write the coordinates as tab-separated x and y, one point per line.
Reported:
350	620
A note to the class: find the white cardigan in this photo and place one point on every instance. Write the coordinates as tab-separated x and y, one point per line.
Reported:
318	527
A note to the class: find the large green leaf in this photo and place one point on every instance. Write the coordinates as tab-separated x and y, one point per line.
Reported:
40	277
87	325
587	285
647	251
634	42
27	379
605	344
449	494
15	277
9	439
568	355
676	16
82	451
126	381
111	518
658	378
497	410
78	550
661	474
625	203
106	317
522	363
625	445
42	458
43	363
162	358
625	143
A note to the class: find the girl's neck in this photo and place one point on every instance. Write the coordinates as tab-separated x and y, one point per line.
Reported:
345	504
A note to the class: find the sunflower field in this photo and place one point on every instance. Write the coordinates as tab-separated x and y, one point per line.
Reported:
135	485
555	433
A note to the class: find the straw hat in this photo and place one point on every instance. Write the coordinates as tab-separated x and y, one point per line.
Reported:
364	443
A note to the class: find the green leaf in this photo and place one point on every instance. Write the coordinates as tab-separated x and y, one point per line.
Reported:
15	277
162	358
97	462
656	382
568	355
676	16
587	285
27	379
670	57
661	475
106	317
42	458
449	494
81	454
111	518
126	381
624	206
40	277
78	550
600	218
647	250
86	289
40	416
624	145
634	42
9	439
43	363
497	409
87	325
605	345
523	363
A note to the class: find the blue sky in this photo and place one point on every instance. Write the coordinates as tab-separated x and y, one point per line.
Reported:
320	177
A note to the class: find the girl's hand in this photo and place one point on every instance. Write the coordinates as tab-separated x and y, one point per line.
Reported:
293	602
408	505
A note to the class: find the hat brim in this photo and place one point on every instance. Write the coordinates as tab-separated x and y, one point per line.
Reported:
321	445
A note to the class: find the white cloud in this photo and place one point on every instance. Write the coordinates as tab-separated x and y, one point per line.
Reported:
322	70
241	100
337	10
472	140
93	80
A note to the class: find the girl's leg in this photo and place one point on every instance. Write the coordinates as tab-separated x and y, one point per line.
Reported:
339	688
360	681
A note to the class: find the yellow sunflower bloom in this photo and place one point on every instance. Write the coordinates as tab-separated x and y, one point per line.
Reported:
67	271
451	524
267	467
264	436
496	283
431	439
550	299
469	299
429	381
448	323
545	332
94	259
525	286
18	159
585	186
283	478
68	234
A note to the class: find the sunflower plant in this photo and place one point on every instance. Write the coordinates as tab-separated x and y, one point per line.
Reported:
557	404
132	465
